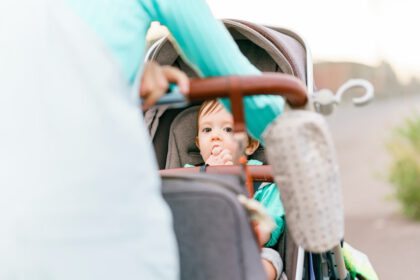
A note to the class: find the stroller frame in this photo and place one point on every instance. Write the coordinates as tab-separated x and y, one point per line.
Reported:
154	53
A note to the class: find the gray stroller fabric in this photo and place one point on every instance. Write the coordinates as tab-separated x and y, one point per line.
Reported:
181	145
213	231
153	114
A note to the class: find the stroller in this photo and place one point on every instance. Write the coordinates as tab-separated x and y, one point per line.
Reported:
212	229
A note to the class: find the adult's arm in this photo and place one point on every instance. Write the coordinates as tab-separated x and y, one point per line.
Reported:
207	45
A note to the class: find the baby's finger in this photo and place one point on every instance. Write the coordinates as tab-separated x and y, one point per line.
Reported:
227	157
213	160
216	151
225	152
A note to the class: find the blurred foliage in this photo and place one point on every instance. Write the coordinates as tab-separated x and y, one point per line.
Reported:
405	169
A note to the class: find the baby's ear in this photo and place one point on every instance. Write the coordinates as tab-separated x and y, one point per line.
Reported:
197	143
252	146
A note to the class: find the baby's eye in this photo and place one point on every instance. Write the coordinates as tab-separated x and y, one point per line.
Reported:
228	129
206	130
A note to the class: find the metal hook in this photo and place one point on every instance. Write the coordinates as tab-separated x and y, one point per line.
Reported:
324	100
354	83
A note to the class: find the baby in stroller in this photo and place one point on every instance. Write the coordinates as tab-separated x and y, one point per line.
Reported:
217	147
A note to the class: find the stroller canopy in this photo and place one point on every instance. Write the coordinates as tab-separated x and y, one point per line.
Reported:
270	49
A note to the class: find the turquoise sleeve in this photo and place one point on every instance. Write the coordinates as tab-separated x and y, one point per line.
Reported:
269	197
207	45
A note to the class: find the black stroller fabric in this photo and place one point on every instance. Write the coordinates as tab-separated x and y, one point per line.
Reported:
212	229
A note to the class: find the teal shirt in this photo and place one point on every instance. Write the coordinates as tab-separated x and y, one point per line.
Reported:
269	196
202	40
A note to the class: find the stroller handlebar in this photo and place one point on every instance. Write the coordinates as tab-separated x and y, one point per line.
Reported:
259	173
288	86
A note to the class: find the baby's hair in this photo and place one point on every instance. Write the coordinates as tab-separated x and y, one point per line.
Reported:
208	107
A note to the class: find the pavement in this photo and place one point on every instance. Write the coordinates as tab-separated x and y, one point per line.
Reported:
373	219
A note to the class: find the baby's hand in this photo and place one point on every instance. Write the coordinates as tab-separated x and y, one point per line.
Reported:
259	215
220	156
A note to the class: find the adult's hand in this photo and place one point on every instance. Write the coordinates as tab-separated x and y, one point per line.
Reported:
155	82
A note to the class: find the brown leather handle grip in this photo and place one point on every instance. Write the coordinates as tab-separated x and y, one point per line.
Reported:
290	87
259	173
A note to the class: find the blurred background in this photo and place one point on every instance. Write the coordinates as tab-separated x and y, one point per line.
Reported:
378	146
374	40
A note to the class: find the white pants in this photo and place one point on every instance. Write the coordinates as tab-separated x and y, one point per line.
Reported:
79	191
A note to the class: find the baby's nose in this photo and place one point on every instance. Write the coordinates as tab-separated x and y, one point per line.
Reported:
216	135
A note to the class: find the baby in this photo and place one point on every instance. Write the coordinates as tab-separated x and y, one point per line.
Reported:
217	147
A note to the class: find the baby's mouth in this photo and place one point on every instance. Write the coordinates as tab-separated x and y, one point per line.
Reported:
214	147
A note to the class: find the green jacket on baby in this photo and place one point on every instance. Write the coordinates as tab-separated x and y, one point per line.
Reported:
269	196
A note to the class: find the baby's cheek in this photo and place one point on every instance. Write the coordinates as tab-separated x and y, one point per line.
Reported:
233	148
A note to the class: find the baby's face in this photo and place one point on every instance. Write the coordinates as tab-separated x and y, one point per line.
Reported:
215	131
